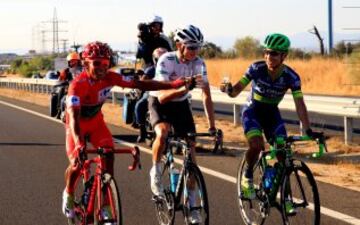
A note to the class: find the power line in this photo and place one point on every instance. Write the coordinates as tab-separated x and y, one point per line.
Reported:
55	31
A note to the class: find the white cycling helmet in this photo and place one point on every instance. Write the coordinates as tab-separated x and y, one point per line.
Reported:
156	19
189	35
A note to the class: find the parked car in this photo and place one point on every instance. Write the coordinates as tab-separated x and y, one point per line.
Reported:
51	75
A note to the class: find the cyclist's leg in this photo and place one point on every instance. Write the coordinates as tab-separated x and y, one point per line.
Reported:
158	119
71	175
253	133
274	127
100	136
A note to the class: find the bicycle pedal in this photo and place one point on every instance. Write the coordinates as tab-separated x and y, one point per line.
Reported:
158	198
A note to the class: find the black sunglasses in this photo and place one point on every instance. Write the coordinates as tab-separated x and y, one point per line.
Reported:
271	52
192	48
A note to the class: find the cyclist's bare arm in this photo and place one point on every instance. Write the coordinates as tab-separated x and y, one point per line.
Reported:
167	95
237	89
149	85
74	124
302	112
208	106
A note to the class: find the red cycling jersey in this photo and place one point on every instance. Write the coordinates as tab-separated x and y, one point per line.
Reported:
89	95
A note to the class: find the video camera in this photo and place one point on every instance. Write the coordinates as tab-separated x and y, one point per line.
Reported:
144	32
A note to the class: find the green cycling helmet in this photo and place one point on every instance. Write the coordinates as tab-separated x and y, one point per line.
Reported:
277	42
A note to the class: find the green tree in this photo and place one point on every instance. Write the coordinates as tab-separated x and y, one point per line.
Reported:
36	64
247	47
343	48
210	50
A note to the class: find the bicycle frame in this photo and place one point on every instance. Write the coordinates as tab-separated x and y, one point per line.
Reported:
283	152
186	161
95	188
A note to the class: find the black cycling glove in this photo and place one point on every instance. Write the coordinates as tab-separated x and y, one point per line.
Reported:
192	83
309	132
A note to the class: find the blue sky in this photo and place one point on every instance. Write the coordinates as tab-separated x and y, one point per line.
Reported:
222	21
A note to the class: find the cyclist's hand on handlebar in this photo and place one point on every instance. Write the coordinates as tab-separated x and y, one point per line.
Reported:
313	135
81	153
212	130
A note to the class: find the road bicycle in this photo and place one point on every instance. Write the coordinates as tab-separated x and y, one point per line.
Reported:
179	188
97	198
284	183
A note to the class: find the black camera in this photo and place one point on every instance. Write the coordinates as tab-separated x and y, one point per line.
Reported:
144	31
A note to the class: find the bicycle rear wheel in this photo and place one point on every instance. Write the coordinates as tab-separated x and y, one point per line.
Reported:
110	212
194	197
165	207
299	188
253	211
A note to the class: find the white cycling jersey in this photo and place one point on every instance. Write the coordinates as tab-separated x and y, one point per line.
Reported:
169	68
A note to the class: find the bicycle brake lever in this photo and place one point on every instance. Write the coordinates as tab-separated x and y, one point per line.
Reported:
136	155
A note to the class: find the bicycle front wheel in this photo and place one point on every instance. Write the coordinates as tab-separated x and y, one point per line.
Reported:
194	199
110	211
165	207
253	211
79	203
300	197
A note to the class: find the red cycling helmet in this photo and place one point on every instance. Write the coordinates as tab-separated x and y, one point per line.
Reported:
96	49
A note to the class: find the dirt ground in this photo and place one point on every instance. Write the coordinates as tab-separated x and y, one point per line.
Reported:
339	166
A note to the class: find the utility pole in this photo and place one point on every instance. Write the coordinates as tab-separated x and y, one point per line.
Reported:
76	47
330	26
55	31
64	44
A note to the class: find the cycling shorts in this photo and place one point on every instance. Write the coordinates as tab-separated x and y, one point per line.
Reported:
178	114
262	118
96	129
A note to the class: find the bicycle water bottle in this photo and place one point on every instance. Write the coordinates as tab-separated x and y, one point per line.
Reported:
269	176
174	177
86	194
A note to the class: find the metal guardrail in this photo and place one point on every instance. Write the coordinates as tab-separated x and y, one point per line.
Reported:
348	108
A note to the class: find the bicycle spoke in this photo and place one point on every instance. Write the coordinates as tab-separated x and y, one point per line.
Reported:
253	211
300	189
110	212
195	202
165	207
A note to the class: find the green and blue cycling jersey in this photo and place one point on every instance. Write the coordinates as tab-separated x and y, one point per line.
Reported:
261	114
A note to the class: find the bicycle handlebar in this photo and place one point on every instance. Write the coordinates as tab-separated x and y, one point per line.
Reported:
135	152
218	132
319	137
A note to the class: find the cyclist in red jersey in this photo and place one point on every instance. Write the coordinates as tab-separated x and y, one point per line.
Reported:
86	95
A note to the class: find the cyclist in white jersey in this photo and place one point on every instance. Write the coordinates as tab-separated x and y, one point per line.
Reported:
172	107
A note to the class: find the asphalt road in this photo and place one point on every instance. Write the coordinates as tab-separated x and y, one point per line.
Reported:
33	160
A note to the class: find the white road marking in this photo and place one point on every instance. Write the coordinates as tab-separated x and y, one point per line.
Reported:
328	212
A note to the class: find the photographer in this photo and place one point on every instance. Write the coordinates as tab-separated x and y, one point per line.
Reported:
151	37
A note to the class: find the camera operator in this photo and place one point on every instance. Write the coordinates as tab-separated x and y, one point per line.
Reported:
151	37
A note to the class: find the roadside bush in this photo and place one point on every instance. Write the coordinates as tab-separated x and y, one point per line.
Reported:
247	47
27	67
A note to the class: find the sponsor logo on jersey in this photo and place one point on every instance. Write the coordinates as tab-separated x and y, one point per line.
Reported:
73	100
104	93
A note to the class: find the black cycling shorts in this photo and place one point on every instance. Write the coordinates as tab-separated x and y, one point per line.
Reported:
178	114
